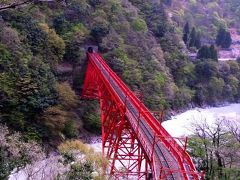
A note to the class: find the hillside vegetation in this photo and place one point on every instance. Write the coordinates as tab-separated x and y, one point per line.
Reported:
42	57
207	15
42	60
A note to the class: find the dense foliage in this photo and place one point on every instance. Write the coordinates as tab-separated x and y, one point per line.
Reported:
207	52
42	60
207	15
191	39
29	52
223	38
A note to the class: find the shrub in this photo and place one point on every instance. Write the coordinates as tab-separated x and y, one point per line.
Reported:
84	167
93	123
99	31
67	97
70	129
54	119
83	170
55	45
72	145
139	25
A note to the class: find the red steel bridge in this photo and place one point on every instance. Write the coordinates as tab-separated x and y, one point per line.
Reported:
135	143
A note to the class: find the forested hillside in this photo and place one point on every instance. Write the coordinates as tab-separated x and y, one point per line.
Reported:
43	56
206	15
42	60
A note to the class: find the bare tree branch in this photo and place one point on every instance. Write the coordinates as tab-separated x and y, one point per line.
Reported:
234	128
15	4
220	142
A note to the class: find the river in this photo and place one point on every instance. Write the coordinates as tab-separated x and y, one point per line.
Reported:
181	124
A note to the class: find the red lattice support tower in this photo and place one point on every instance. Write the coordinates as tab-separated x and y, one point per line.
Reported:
119	142
132	139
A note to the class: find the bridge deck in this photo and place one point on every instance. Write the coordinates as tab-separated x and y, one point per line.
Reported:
165	151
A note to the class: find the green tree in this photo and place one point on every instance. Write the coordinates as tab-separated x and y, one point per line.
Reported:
192	37
186	31
74	40
58	123
234	84
185	38
220	36
203	52
70	129
66	96
227	41
60	24
139	25
223	38
99	31
207	52
205	70
157	21
31	33
55	46
197	43
93	122
215	88
213	53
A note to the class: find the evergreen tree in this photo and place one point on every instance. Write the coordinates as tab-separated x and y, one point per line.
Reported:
220	36
186	33
227	40
223	38
185	38
206	52
192	37
213	53
198	41
186	29
203	52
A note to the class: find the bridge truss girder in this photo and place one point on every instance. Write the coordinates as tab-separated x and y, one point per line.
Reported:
122	141
119	142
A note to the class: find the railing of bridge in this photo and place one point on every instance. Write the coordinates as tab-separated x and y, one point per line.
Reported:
159	134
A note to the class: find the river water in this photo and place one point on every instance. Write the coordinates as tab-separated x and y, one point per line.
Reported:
181	125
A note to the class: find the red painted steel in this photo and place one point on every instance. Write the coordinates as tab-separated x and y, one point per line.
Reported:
133	140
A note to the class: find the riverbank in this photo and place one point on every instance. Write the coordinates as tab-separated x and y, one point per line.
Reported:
180	124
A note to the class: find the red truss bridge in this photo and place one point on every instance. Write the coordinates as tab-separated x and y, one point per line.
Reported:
135	143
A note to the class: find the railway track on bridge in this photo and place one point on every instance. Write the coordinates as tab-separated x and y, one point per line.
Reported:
166	158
